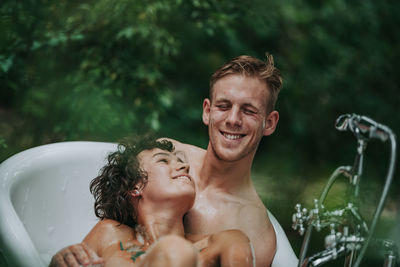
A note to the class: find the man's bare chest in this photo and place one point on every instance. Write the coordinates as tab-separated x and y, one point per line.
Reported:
209	219
206	219
211	214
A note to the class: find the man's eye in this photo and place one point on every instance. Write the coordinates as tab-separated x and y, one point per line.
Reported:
223	107
249	111
163	160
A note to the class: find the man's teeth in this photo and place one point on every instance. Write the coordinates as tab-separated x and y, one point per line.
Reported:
183	176
232	136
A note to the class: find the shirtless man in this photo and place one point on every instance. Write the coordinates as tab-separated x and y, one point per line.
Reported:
239	112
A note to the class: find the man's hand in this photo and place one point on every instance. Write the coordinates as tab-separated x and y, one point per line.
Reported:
75	256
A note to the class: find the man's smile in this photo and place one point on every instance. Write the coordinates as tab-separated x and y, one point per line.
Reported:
232	136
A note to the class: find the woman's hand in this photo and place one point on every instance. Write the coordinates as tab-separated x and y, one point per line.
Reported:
75	256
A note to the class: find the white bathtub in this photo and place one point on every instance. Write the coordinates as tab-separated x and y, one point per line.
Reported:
45	203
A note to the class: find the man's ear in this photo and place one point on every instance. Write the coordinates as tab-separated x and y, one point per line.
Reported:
271	121
206	111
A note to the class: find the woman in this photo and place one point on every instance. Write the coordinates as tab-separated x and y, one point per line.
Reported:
141	197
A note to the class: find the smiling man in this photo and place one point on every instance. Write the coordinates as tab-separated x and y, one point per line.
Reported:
240	110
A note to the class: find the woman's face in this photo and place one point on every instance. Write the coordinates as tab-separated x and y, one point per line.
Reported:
168	177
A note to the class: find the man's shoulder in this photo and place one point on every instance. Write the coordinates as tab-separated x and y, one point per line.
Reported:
258	214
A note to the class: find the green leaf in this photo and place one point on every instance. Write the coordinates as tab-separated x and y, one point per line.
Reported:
6	62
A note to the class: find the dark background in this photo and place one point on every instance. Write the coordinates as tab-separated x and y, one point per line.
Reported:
104	69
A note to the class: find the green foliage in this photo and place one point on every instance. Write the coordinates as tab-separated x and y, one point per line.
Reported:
2	143
99	70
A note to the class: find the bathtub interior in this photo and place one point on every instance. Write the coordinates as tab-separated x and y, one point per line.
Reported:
48	188
47	206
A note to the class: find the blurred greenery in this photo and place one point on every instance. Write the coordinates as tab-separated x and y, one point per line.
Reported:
100	70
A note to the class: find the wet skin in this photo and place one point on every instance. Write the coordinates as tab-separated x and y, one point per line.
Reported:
225	196
168	194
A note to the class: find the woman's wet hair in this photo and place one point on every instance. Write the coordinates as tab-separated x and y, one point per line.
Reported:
112	188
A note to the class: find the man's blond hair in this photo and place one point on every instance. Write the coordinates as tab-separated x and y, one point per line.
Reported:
252	67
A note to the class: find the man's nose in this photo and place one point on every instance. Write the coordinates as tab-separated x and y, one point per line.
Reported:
234	117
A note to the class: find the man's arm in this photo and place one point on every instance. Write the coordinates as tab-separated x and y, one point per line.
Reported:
226	248
101	242
195	155
75	256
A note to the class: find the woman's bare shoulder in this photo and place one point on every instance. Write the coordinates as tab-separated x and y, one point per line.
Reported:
112	226
107	232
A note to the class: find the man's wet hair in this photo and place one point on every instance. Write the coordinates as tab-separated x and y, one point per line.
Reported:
250	66
112	188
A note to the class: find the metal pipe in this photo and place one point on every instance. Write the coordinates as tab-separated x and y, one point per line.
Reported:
304	246
385	191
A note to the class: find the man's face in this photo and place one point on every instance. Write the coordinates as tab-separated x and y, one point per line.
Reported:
167	176
237	118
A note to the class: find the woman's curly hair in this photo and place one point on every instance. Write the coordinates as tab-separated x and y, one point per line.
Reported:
111	189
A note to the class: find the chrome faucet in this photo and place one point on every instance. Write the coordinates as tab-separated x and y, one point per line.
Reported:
349	234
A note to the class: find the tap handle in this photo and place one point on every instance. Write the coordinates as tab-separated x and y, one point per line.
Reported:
299	218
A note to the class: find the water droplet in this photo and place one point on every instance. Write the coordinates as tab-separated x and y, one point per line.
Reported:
22	210
50	230
64	187
27	194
